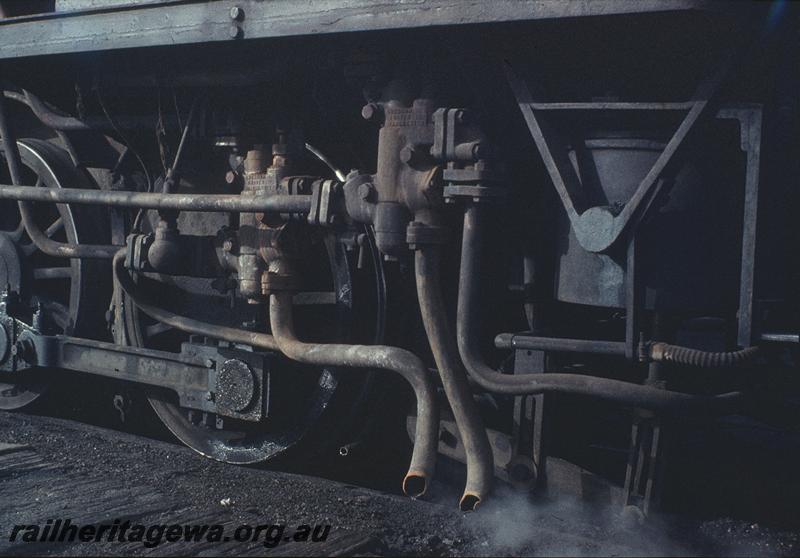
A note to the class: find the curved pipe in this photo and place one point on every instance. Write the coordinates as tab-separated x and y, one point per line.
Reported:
62	249
625	393
405	363
182	323
480	462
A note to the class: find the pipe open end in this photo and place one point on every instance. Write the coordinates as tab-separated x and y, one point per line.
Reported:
469	502
415	485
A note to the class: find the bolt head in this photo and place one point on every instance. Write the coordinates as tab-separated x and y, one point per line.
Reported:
230	176
235	32
236	13
227	245
407	154
371	111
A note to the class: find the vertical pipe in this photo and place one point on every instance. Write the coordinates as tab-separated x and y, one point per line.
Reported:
480	462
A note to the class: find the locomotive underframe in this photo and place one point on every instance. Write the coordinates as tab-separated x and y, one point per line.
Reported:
428	156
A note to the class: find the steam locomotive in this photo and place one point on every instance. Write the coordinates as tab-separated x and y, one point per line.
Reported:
536	236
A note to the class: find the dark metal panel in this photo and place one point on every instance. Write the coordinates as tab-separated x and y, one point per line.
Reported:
143	25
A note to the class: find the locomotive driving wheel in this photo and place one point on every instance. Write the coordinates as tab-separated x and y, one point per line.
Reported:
307	405
68	292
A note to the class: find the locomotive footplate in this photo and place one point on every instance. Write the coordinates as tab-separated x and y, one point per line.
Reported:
226	380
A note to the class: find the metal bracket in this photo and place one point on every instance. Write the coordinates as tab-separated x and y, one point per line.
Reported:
599	228
750	118
322	202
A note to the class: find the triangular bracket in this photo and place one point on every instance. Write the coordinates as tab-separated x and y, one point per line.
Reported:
599	228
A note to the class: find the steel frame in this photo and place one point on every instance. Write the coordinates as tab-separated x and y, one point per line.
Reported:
598	229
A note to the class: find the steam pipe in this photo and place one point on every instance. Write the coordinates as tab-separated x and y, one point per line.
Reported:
480	462
405	363
147	200
182	323
625	393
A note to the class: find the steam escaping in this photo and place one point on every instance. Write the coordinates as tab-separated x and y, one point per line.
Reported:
517	524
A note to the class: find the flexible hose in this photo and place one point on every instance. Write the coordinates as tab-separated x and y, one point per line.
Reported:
701	359
480	462
394	359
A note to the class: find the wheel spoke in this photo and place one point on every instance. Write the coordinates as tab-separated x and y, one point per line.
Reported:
57	225
53	273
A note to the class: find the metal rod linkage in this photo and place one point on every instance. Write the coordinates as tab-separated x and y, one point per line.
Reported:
521	341
780	337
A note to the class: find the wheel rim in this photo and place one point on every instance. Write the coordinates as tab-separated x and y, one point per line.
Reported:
56	283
